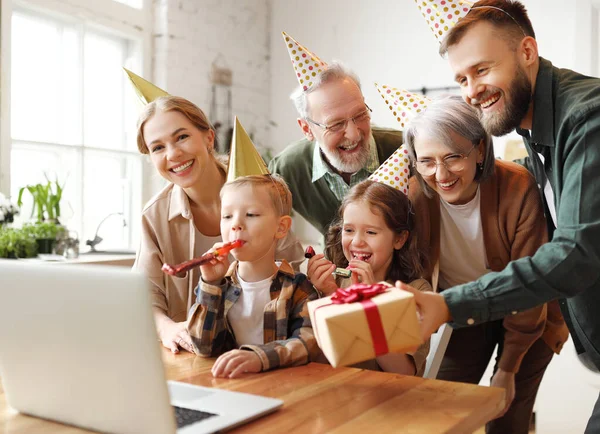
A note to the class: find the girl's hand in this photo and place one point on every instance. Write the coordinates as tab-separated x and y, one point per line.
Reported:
361	272
319	272
215	270
234	363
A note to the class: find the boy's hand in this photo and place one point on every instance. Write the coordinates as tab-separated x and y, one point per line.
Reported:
319	272
215	270
234	363
361	272
174	335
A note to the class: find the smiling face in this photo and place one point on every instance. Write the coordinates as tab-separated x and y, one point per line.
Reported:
347	151
493	78
178	150
366	237
248	214
455	187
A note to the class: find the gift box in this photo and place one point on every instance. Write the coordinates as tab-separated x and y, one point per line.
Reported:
361	322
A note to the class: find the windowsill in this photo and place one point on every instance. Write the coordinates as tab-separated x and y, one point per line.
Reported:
124	260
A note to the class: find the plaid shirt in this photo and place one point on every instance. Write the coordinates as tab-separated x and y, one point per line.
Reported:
288	334
336	183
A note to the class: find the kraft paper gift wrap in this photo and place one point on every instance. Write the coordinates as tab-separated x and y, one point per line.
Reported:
343	332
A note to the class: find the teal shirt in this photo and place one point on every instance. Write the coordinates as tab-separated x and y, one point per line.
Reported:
313	199
566	131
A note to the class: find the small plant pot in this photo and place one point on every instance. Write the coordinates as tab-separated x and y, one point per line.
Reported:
45	245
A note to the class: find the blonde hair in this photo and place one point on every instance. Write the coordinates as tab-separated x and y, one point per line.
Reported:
279	193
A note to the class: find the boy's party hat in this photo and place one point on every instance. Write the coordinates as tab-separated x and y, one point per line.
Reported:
146	91
244	159
306	64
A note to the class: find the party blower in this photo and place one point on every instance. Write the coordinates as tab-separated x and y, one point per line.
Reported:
342	272
224	250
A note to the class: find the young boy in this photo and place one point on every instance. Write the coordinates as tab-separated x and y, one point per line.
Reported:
254	304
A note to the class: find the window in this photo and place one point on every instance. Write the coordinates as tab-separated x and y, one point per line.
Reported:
73	118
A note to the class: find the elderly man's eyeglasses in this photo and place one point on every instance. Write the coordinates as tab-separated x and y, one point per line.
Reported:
453	163
340	126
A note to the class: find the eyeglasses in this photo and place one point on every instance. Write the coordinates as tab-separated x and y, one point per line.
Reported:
340	126
453	163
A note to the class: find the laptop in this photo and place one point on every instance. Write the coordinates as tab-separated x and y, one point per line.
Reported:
78	345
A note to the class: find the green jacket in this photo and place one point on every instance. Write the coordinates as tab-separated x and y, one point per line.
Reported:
566	131
315	201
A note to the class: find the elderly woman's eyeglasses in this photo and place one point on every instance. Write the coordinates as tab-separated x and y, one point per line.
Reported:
453	163
340	126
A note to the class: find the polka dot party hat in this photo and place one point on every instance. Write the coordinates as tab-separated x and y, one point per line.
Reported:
442	15
306	64
402	103
394	171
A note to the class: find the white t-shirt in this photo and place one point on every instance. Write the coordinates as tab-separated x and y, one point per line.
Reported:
549	194
462	249
247	316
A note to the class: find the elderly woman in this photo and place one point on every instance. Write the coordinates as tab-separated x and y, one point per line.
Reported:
475	215
182	221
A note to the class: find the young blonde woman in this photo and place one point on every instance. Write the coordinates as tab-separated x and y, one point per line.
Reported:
182	221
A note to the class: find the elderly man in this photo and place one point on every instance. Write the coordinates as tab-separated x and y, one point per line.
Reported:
340	148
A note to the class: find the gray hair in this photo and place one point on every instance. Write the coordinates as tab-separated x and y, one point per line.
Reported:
334	71
442	116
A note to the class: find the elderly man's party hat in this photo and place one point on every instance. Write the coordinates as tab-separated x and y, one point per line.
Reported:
394	171
146	91
244	159
442	15
403	104
306	64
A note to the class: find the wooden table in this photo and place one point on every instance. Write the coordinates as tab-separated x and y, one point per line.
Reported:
318	398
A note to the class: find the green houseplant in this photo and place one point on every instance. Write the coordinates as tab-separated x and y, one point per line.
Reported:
15	243
44	233
46	209
46	199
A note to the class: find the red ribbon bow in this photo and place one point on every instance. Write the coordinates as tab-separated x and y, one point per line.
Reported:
357	292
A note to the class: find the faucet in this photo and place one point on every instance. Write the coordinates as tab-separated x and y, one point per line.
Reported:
97	240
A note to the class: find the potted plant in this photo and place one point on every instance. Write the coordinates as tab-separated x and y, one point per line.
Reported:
15	243
46	200
46	207
44	233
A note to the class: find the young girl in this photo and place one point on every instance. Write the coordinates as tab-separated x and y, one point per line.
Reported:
373	238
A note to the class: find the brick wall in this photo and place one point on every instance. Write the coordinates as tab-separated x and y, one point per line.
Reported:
189	35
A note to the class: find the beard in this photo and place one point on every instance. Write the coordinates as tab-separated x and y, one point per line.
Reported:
346	163
516	106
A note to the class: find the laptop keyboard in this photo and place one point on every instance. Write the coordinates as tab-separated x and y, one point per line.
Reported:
185	416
